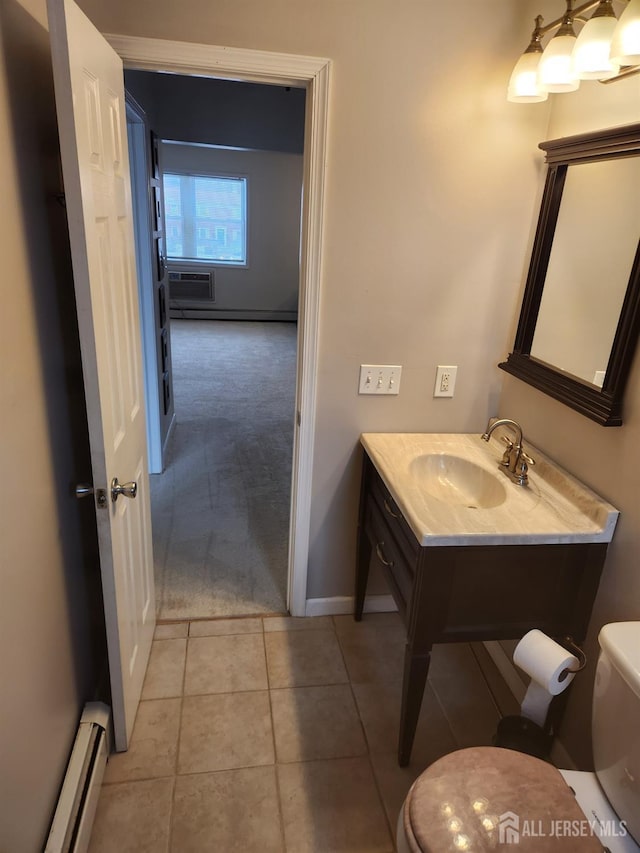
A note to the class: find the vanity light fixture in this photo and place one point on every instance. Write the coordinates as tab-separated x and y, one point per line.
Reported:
625	44
591	55
523	85
606	49
555	71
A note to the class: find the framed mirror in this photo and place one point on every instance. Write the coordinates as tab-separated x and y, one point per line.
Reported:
580	314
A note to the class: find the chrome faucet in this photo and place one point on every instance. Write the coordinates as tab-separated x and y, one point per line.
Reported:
515	461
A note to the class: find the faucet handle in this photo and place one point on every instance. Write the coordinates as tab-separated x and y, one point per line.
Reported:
506	456
522	468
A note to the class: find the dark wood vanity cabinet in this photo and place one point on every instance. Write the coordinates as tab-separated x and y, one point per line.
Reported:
467	593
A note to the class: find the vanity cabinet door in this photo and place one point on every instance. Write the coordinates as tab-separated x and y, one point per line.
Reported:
393	546
388	554
394	519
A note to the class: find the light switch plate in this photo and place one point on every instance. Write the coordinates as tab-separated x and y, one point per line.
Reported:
380	378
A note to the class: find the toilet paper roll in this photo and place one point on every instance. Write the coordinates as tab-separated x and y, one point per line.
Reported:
545	661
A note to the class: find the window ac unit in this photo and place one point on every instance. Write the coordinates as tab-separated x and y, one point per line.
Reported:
184	286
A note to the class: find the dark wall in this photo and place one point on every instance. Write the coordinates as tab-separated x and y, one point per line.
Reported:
221	112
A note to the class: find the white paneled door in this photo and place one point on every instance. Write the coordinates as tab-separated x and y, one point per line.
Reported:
92	120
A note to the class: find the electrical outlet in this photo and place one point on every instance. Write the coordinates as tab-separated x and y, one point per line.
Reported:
380	379
445	380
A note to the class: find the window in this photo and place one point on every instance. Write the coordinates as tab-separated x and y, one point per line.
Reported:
206	218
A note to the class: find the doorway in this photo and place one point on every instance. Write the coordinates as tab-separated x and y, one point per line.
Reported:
227	226
314	75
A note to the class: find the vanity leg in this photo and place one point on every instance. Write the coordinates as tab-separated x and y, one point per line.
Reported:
363	546
416	669
363	560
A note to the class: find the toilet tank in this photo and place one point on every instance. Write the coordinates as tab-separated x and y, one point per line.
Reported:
616	720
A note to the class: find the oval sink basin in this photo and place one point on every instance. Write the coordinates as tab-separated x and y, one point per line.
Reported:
451	490
457	481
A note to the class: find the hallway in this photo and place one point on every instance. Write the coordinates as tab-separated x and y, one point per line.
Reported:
221	508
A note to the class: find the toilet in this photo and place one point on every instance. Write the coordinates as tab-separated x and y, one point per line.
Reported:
489	798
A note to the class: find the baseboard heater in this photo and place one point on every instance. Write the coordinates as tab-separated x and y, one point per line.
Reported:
191	285
78	800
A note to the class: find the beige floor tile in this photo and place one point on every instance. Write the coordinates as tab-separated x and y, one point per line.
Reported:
316	722
447	659
233	810
225	731
225	664
165	671
393	782
171	630
304	658
297	623
506	702
381	620
154	743
133	817
373	653
465	698
217	627
332	806
379	707
329	793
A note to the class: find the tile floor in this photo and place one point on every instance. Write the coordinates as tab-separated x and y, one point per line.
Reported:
278	735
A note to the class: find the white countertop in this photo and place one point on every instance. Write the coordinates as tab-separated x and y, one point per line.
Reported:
553	508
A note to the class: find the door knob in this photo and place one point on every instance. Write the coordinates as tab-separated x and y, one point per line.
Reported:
129	490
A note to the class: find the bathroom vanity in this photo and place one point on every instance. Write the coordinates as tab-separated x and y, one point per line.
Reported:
468	554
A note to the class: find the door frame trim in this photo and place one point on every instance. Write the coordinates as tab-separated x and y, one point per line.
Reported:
257	66
137	133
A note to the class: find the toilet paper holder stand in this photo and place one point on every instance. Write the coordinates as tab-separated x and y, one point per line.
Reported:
571	646
520	733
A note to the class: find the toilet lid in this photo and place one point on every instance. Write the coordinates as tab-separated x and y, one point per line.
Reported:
489	798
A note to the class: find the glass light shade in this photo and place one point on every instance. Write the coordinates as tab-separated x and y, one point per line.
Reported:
625	45
523	85
591	52
555	72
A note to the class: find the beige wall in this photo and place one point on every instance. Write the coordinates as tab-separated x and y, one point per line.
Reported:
607	459
431	178
47	665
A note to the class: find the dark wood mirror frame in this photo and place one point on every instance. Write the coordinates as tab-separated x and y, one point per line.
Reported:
603	405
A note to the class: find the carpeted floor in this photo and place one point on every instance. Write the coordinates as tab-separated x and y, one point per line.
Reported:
221	508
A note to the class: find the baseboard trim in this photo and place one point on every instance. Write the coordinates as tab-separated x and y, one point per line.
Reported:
194	313
340	605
